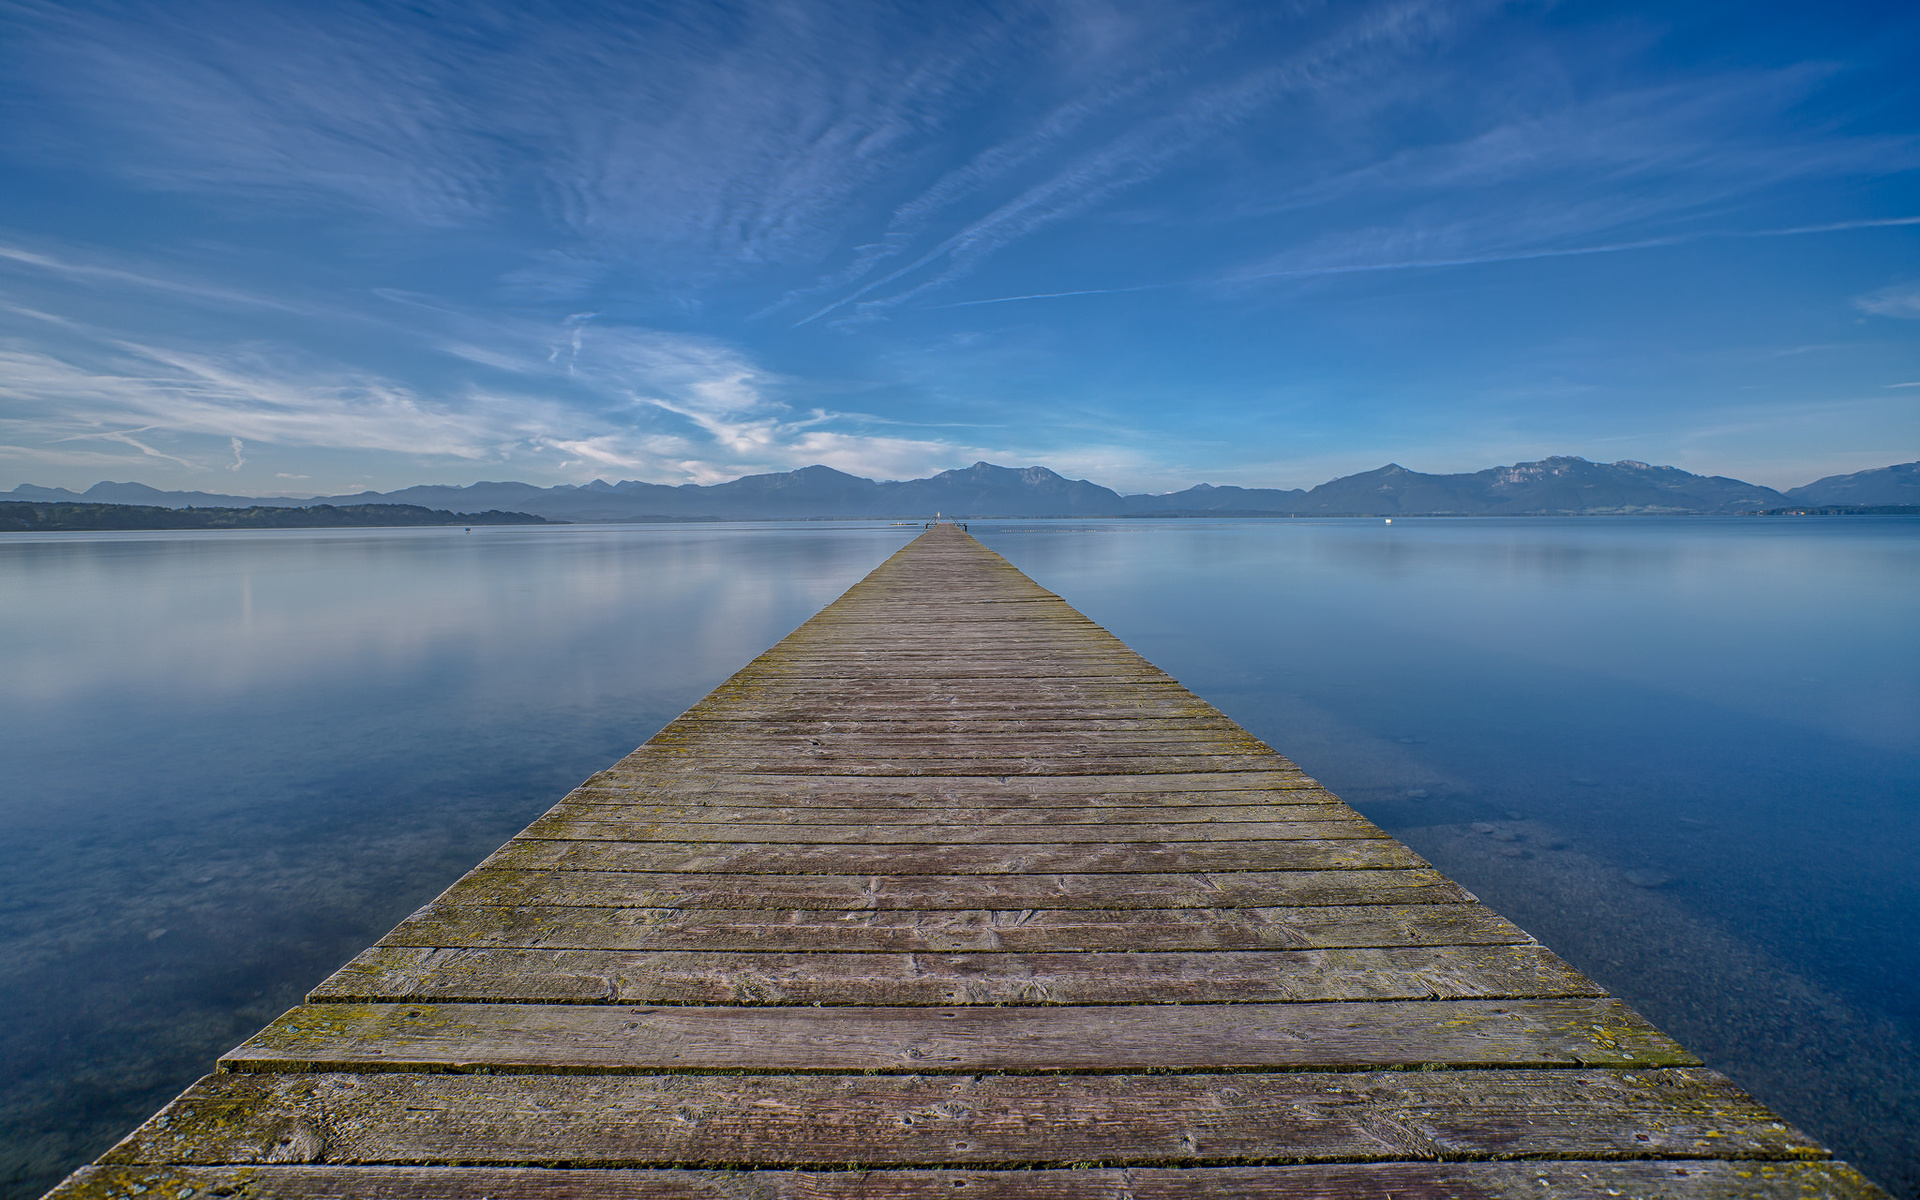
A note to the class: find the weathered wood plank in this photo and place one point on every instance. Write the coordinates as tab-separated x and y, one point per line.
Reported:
878	703
916	931
1275	779
1692	1179
854	636
798	757
892	804
943	637
932	699
1008	674
398	974
826	763
965	655
1008	677
1031	619
1231	889
954	735
571	824
1164	689
998	859
745	740
1095	665
721	721
1059	694
751	686
1009	791
1295	806
1042	1122
595	1038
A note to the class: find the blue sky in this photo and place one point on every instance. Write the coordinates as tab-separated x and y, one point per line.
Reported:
308	248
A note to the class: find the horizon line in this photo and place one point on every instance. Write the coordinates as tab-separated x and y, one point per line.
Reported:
1628	462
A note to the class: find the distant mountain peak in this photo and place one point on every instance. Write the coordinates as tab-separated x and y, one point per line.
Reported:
1897	484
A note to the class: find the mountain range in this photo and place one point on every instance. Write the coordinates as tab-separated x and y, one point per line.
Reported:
1553	486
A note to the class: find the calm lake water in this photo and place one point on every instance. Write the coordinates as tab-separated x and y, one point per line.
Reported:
1684	753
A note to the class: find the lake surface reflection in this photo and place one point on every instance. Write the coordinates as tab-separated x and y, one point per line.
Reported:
235	759
1685	754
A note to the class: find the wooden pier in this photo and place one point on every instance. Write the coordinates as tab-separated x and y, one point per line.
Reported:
952	894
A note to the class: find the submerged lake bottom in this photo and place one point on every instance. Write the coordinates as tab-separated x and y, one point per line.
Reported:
1683	753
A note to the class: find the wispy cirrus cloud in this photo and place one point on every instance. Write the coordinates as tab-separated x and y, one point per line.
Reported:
148	390
706	145
1900	300
686	241
1392	249
723	140
548	396
1400	249
1369	46
1677	163
111	275
1661	147
680	150
552	398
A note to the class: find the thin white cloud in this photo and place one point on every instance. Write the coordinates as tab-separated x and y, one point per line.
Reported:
146	389
1129	76
1386	250
1900	300
703	147
126	437
1663	149
661	406
110	276
714	142
1369	46
711	146
71	455
1650	157
849	160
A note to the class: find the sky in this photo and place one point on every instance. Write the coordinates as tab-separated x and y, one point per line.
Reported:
277	248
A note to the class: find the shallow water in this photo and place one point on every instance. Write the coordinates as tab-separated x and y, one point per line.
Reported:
1686	754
